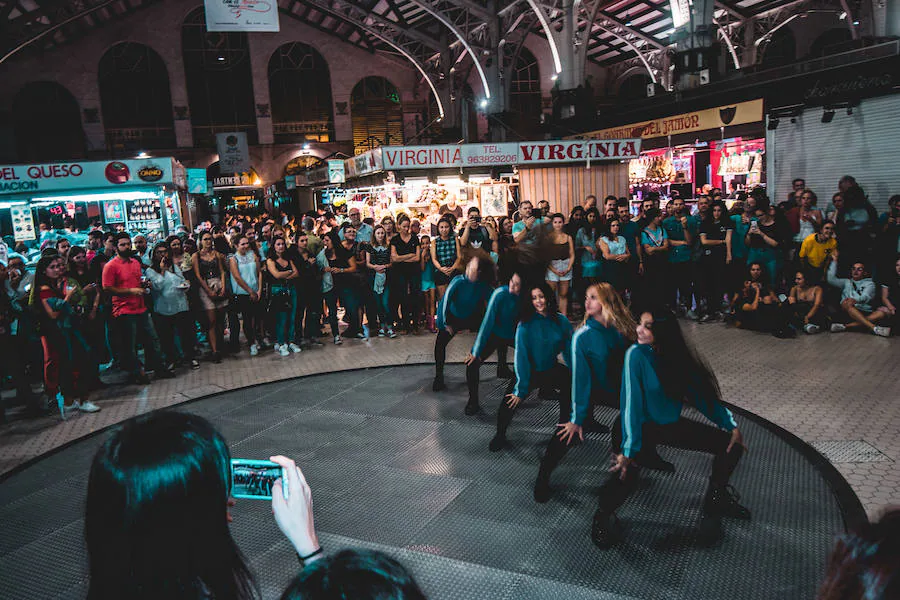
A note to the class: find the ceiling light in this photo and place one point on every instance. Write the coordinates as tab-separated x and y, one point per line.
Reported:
842	16
483	103
220	58
856	23
143	154
554	77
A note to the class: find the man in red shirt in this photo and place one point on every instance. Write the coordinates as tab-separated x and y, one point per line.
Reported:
122	280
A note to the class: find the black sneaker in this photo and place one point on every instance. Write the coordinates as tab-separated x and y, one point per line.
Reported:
542	491
472	408
497	443
723	501
604	529
438	384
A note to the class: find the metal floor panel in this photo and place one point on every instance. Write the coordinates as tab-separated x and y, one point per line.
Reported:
400	469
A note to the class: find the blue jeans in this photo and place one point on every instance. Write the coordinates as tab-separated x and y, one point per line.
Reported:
284	316
133	328
382	308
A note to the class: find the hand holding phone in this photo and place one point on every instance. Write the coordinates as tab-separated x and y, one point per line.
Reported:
294	513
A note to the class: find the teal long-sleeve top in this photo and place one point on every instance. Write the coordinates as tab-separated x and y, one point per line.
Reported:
597	354
643	400
538	341
462	299
500	319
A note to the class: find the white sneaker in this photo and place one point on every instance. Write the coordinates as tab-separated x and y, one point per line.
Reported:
838	327
254	349
811	329
295	348
276	347
338	340
284	351
87	406
882	331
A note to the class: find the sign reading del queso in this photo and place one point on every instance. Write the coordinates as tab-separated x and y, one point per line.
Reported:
25	179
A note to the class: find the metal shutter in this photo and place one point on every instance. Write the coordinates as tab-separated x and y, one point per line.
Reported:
863	145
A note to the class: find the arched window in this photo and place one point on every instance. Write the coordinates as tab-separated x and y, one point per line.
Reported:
525	102
376	114
634	87
47	123
830	42
300	92
219	81
781	49
134	95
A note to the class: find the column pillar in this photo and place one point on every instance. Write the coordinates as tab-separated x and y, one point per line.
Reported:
262	104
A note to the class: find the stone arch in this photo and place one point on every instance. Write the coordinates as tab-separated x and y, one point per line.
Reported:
300	94
828	41
135	98
376	114
47	124
780	49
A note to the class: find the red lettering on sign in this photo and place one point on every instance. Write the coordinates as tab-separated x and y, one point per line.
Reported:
574	151
556	152
8	174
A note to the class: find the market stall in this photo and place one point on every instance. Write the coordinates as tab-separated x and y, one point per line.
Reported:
141	196
686	153
432	180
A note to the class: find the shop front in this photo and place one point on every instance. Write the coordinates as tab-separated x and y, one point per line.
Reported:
683	155
141	196
432	180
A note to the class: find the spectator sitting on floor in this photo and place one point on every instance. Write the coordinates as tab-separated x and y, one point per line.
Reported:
890	294
156	521
755	307
864	564
804	307
857	297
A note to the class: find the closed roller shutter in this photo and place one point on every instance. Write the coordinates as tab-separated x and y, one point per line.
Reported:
863	145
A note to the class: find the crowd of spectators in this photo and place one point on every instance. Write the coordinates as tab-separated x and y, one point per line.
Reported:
106	300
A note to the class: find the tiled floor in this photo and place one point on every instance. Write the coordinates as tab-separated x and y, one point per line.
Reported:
839	392
398	468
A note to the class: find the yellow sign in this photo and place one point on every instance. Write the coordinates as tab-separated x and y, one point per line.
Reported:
701	120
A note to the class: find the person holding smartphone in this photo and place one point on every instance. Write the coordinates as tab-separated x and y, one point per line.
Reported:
475	235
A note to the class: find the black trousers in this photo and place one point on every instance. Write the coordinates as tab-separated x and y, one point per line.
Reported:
12	364
683	433
406	294
444	337
250	313
713	281
680	276
473	371
170	326
557	449
557	378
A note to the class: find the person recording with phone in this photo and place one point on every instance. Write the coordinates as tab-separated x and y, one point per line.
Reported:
171	314
475	235
530	223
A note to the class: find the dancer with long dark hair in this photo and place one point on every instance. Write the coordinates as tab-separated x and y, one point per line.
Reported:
662	373
461	308
543	334
598	351
498	328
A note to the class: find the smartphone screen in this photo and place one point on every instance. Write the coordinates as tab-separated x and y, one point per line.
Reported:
254	478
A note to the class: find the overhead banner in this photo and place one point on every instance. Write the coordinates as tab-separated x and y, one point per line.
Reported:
508	153
241	15
197	182
701	120
234	153
336	170
38	178
364	164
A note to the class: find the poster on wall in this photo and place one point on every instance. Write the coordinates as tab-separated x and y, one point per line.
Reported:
241	15
234	153
493	200
23	223
114	211
196	181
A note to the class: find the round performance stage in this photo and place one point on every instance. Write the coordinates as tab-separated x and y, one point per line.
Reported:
397	468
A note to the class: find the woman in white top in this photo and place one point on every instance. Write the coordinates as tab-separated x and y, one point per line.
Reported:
246	284
171	315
